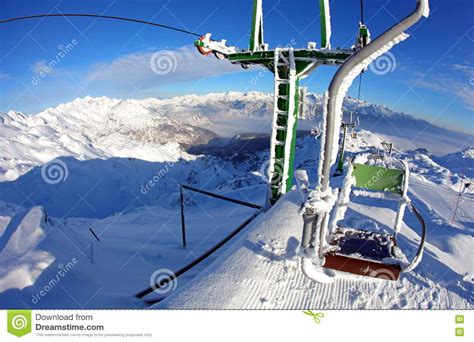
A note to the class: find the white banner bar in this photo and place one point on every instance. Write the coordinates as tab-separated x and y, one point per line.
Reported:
145	325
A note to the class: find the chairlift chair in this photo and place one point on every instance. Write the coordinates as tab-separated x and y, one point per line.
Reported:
356	124
363	252
348	249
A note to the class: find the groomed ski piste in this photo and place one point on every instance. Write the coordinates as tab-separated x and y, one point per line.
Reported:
261	270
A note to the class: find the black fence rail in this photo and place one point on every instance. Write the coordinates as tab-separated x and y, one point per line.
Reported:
210	194
205	255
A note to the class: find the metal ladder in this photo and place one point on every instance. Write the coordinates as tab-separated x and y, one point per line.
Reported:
285	113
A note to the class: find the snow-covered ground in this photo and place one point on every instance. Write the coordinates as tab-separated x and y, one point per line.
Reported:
119	169
59	264
262	269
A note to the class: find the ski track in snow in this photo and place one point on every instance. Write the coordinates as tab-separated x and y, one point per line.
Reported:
262	271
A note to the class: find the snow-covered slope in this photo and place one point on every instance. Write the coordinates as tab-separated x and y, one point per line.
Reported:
123	161
53	264
261	271
461	162
102	187
21	261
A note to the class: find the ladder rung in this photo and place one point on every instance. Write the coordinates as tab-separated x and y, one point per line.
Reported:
279	143
282	80
281	128
281	112
283	97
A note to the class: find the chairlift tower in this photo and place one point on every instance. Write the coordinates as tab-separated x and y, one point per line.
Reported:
345	126
340	164
289	66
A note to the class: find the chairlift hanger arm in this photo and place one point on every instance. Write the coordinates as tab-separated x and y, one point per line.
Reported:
259	54
352	62
303	57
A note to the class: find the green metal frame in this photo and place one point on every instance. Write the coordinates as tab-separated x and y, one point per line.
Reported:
264	57
378	178
257	24
324	24
340	163
303	61
281	135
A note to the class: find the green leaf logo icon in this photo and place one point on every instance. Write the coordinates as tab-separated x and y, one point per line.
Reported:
19	322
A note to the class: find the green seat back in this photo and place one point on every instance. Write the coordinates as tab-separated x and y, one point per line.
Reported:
378	178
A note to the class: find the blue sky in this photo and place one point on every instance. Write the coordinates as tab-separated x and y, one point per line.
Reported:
432	77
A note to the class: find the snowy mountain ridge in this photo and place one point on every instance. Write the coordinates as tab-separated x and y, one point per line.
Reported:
156	129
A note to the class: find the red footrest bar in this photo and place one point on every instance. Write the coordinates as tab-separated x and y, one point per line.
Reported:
362	267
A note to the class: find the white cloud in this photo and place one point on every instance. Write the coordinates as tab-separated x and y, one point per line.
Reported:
455	79
161	67
44	68
38	66
4	76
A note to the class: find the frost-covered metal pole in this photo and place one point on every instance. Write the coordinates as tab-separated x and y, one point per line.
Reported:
351	68
340	83
325	19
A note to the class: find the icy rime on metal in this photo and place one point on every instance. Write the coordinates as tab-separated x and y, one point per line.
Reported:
289	66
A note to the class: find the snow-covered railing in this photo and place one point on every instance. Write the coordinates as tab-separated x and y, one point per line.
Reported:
419	254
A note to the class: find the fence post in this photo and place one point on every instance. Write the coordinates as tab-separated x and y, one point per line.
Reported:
183	224
92	244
